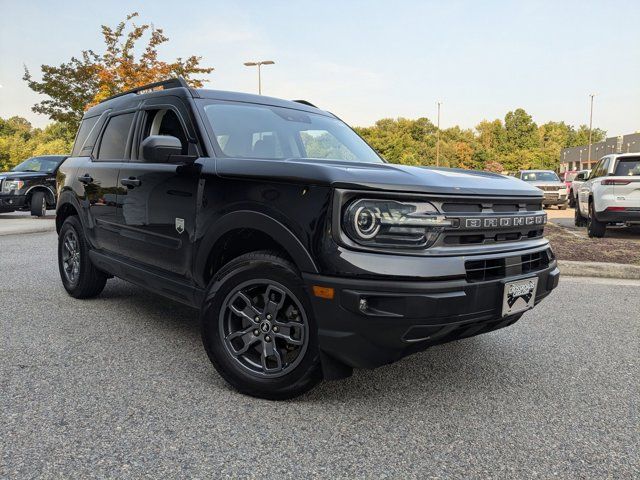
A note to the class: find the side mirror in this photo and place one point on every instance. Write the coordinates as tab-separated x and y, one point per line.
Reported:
160	148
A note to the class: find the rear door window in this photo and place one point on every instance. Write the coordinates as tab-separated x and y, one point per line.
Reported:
114	139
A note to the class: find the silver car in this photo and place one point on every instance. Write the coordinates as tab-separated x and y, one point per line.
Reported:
555	190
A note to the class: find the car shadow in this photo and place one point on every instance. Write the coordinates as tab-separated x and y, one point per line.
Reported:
437	371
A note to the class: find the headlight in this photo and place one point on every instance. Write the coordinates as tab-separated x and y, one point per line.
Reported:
391	223
9	185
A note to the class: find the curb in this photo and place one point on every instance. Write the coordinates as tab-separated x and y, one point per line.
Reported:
599	269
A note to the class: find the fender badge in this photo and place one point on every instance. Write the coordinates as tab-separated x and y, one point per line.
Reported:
180	225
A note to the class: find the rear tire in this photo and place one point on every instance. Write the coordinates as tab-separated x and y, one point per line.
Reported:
38	204
81	279
595	228
258	327
578	219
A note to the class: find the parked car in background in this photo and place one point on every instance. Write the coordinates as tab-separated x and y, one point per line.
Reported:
568	176
611	194
555	190
577	180
30	185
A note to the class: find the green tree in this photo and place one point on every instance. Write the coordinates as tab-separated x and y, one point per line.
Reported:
520	130
83	81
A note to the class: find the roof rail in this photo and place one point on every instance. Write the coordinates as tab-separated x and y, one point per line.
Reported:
304	102
165	84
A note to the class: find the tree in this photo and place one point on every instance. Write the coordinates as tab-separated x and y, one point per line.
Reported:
83	81
520	130
19	141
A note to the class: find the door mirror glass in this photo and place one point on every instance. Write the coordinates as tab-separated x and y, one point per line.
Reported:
161	149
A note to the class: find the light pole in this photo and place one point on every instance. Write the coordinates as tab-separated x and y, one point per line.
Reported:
591	95
259	64
438	138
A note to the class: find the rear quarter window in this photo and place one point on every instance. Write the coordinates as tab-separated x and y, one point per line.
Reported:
628	167
86	136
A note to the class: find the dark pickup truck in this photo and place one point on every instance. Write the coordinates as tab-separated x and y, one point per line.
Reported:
30	185
305	251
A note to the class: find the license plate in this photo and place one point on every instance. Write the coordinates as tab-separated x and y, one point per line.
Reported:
519	296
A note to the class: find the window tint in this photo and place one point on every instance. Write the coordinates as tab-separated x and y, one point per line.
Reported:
114	138
628	167
83	133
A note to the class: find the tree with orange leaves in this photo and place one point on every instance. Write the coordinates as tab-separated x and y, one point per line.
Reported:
74	86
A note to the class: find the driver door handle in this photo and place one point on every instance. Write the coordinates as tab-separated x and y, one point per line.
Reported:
86	179
131	182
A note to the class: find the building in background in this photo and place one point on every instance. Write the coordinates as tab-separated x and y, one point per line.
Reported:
577	158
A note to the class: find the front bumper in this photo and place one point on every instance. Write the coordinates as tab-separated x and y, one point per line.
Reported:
403	317
550	199
12	202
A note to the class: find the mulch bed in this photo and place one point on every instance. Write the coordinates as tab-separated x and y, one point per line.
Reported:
570	247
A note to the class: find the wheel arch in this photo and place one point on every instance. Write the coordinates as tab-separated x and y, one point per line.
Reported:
48	194
236	231
67	206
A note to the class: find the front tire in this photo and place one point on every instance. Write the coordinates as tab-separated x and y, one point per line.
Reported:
38	204
258	328
595	228
562	207
572	199
81	279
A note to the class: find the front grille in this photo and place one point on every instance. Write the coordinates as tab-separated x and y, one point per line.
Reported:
497	268
549	188
477	207
481	270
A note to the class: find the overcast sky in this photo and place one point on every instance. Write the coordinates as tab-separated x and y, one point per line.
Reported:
368	60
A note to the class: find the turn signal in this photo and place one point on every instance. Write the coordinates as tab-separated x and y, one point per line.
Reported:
323	292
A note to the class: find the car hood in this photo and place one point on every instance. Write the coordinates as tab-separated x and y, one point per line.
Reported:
23	175
378	176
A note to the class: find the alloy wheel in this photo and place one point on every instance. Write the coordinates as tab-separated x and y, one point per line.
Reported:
71	256
264	328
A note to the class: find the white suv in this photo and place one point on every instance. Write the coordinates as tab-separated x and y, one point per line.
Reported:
611	194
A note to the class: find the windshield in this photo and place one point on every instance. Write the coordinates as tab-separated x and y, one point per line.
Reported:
539	177
38	164
628	167
262	131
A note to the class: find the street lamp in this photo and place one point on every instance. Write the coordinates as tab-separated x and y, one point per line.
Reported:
438	138
259	64
590	125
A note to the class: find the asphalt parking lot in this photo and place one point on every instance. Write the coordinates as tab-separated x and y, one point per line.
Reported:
120	387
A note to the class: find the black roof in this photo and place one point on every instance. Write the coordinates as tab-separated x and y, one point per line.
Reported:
131	98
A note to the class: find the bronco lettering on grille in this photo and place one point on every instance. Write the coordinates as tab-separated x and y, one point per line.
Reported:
502	222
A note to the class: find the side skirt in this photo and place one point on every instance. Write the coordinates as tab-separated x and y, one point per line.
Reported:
153	280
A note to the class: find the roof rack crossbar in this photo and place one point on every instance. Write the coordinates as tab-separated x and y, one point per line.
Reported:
304	102
165	84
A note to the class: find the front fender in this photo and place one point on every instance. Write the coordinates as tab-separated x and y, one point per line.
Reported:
258	221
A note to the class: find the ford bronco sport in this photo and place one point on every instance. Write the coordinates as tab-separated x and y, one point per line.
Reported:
306	253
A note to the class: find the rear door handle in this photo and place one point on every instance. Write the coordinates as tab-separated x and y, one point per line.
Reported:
131	182
86	179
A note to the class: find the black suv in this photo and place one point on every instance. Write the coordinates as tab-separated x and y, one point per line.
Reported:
306	253
30	185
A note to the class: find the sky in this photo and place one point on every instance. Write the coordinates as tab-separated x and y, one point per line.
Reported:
366	60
